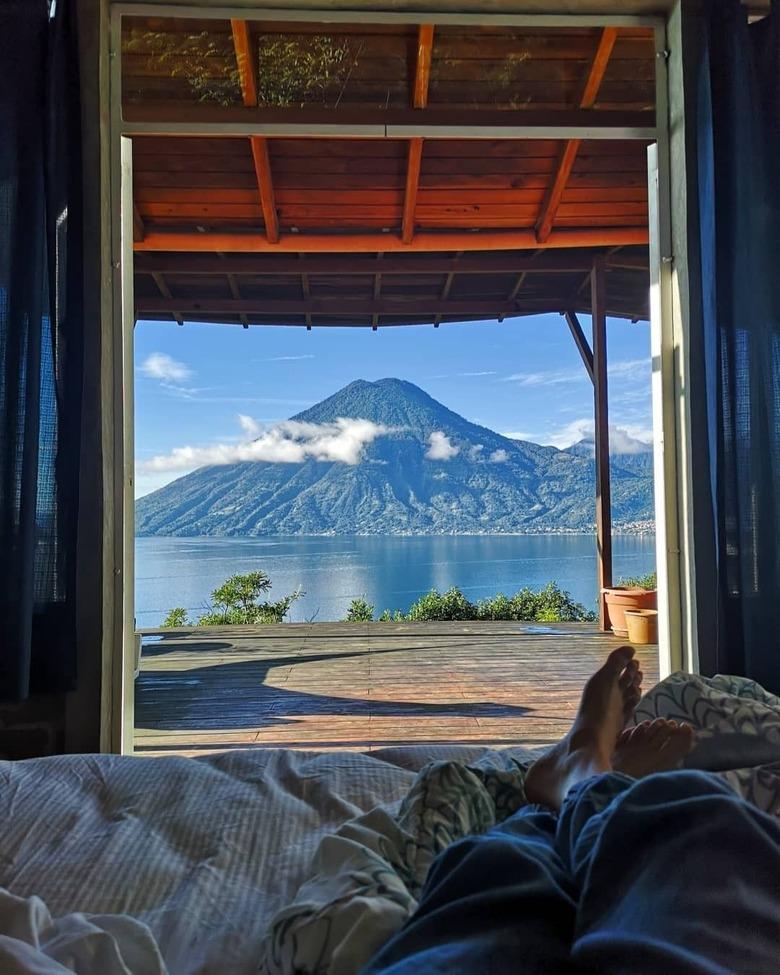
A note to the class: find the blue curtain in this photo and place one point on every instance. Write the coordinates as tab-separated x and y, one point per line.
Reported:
737	150
41	349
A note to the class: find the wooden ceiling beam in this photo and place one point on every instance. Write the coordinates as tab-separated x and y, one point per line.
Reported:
247	74
416	305
547	261
372	243
422	76
552	200
179	119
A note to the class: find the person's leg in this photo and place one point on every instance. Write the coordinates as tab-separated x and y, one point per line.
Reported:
676	874
503	902
494	904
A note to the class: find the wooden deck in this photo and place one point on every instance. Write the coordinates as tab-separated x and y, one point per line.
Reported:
364	686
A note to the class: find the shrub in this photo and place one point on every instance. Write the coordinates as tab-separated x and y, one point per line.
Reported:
435	606
549	605
648	581
359	611
236	602
396	616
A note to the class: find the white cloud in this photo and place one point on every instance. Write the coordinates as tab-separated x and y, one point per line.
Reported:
290	442
499	457
628	439
252	428
521	435
440	447
475	451
629	369
160	366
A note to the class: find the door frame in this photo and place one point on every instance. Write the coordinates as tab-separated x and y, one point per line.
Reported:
669	327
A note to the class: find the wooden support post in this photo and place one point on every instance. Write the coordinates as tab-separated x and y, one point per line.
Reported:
580	341
601	401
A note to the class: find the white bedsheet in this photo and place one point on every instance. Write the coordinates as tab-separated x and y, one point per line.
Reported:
202	851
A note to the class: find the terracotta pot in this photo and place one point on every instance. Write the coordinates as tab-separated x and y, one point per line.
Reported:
619	599
642	625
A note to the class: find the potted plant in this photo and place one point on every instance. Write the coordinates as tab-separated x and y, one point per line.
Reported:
629	594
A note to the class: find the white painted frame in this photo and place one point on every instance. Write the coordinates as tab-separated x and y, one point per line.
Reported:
669	407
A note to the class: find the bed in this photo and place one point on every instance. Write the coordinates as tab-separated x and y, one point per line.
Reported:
276	860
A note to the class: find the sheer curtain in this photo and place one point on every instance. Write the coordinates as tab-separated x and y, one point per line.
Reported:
737	144
40	345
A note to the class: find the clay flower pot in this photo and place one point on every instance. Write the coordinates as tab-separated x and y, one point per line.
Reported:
619	599
642	625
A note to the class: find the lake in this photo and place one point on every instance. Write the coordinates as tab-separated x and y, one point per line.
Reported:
391	572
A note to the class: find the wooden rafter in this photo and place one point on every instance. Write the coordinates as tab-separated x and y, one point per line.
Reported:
247	73
422	75
377	293
306	289
568	155
445	291
236	293
372	243
165	291
413	165
139	230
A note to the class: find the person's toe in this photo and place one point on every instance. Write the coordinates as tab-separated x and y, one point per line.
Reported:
618	660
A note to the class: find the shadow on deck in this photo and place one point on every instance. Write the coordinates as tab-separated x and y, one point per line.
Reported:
364	686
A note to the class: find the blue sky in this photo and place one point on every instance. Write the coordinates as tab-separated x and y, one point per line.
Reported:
202	385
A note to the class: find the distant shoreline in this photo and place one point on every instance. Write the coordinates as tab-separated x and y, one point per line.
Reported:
536	533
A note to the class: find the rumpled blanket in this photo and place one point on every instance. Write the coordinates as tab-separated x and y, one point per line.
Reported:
366	879
90	944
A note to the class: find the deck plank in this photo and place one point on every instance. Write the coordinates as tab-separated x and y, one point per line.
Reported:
341	686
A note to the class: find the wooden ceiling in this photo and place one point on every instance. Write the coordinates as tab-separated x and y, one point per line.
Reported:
375	175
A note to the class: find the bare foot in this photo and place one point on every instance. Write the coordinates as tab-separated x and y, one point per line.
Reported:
607	701
652	746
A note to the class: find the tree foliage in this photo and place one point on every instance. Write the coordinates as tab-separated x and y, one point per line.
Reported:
237	602
359	611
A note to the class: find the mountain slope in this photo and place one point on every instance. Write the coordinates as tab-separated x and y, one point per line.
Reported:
493	484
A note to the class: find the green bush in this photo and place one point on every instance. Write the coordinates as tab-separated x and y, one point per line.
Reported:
237	602
435	606
359	611
648	581
549	605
